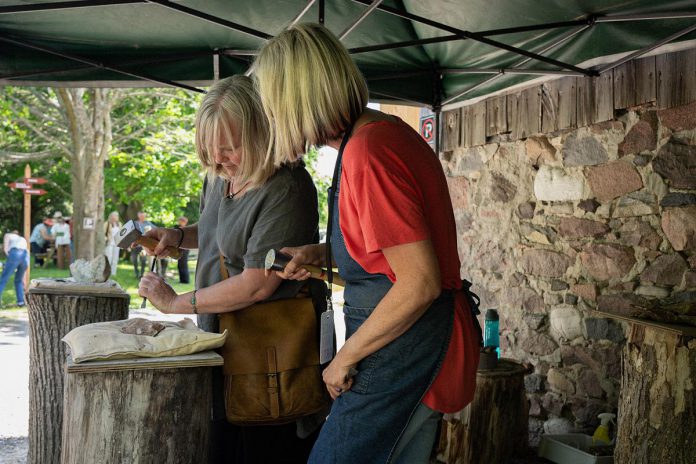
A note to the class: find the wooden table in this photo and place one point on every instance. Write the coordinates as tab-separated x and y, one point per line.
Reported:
55	307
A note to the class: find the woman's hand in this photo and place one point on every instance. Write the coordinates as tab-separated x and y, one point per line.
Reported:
159	292
166	238
308	254
338	377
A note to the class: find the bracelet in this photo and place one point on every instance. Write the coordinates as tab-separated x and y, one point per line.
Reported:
193	302
181	239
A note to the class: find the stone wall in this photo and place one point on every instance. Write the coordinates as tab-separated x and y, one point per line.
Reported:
556	226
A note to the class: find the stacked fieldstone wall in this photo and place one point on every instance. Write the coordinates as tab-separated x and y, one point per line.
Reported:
556	226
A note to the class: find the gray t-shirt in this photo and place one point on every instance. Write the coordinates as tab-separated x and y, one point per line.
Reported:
282	212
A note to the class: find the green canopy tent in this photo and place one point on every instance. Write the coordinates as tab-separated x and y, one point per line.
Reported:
437	53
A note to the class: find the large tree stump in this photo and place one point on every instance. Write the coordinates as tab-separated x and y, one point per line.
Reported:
55	308
138	411
493	428
657	406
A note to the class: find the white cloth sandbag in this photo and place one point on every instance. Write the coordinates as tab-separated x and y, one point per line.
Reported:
104	340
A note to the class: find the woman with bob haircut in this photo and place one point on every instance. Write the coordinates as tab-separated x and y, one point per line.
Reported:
248	206
410	331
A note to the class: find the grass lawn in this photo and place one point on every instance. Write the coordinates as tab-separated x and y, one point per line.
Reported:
125	276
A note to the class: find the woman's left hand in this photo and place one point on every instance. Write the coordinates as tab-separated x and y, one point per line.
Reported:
159	292
338	377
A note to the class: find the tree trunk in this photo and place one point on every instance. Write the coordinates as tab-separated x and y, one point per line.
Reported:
89	123
657	406
138	417
53	312
493	428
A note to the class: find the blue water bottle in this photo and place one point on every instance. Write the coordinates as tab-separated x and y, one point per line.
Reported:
491	330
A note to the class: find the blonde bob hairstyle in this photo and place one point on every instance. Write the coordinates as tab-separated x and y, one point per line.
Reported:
311	90
234	100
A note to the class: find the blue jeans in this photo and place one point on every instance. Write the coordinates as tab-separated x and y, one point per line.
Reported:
416	443
366	423
17	262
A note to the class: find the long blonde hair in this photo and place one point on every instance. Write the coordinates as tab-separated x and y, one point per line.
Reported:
234	99
311	90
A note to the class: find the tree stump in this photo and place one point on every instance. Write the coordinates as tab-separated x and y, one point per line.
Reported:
138	411
657	405
493	428
55	308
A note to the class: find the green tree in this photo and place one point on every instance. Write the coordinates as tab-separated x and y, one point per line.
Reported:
322	183
83	127
156	169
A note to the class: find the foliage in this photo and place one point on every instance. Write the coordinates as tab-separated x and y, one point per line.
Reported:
321	182
152	162
157	170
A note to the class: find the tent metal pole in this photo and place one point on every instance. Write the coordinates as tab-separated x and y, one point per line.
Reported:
130	63
647	49
63	5
304	11
321	12
396	97
450	38
564	38
373	5
645	17
210	18
97	64
438	113
454	71
478	38
235	52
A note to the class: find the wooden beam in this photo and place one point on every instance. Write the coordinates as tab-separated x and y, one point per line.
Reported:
676	78
645	80
624	85
496	116
451	130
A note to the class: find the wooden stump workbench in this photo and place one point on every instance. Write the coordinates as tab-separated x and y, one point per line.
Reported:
493	428
138	411
55	307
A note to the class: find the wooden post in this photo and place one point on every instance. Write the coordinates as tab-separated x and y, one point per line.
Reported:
493	428
138	411
27	224
55	308
657	406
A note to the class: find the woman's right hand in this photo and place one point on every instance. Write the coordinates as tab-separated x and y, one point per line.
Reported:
166	238
308	254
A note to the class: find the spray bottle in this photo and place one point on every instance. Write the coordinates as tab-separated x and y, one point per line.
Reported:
601	435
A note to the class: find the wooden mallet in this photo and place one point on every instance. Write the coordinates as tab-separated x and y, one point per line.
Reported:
277	260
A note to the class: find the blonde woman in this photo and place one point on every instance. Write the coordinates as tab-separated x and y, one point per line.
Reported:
249	205
410	331
111	228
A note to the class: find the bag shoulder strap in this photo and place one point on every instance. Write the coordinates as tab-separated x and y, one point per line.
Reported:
331	199
223	269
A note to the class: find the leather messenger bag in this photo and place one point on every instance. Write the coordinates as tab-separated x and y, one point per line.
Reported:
271	360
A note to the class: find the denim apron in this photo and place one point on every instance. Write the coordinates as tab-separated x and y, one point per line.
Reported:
365	423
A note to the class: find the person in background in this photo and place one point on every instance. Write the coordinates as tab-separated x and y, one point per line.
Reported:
111	228
182	262
69	221
15	247
61	233
138	256
40	239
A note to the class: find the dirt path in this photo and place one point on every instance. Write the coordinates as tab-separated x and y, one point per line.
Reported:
14	389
